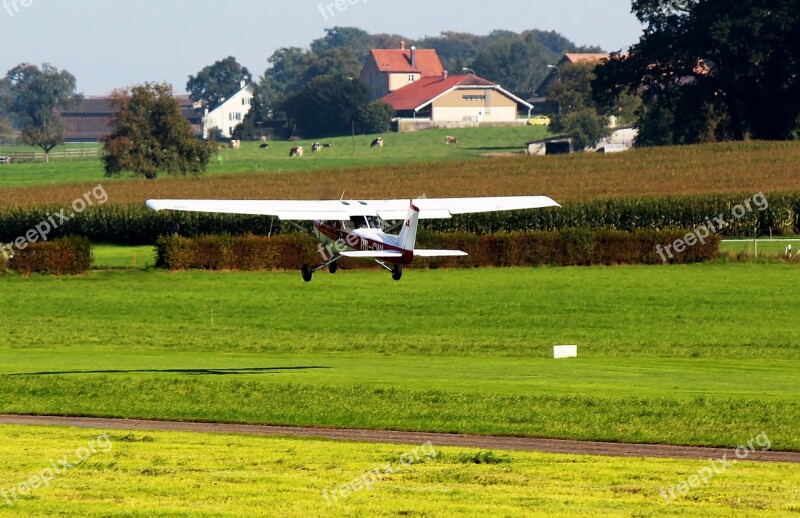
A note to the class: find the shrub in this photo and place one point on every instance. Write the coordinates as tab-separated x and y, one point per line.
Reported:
67	256
574	247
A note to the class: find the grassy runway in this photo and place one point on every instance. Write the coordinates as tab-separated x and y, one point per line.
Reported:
701	355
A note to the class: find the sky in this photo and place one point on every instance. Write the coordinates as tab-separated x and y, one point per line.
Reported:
108	44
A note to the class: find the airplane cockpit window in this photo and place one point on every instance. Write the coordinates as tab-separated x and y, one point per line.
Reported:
360	222
374	222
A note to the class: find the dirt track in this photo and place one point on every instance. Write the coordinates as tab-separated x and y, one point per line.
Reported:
438	439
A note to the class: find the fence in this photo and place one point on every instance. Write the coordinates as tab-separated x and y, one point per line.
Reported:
38	156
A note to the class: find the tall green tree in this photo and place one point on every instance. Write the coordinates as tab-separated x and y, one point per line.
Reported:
711	70
152	136
330	105
32	96
579	115
217	82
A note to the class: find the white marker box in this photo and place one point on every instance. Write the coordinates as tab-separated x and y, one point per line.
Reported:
565	351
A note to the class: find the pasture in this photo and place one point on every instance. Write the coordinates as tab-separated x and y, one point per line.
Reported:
400	148
169	474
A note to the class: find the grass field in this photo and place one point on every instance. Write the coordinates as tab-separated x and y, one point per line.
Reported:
446	171
700	355
169	474
766	247
663	350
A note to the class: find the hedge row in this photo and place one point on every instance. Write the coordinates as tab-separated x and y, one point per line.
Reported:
67	256
138	225
575	247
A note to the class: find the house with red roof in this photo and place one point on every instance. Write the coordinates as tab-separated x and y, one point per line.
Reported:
388	70
414	82
456	99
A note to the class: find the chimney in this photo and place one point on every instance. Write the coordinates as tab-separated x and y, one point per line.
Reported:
402	44
414	56
444	75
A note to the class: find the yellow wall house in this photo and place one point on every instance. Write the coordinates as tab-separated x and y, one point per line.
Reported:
456	99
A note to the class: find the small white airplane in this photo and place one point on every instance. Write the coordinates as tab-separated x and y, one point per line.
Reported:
360	228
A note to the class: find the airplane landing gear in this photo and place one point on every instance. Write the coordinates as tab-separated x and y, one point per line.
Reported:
333	267
397	272
306	272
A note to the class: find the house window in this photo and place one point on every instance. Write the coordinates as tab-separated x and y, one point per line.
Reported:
473	97
411	78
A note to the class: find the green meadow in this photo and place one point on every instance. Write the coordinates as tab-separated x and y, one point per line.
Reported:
181	474
399	148
704	354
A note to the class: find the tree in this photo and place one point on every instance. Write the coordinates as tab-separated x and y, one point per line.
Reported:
217	82
33	96
711	70
585	126
517	64
5	129
329	105
151	135
359	41
375	117
578	116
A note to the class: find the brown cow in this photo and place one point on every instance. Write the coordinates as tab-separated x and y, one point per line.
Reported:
296	151
450	140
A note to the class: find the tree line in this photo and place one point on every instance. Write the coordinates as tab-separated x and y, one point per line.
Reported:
702	71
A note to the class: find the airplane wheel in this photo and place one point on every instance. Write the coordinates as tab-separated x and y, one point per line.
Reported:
333	266
306	272
397	272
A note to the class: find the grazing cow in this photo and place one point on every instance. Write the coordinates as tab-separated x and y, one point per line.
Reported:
296	151
450	140
264	145
378	142
315	147
327	145
234	144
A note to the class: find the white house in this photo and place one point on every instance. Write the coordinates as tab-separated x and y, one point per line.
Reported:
230	113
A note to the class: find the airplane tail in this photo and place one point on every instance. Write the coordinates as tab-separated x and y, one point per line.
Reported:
408	235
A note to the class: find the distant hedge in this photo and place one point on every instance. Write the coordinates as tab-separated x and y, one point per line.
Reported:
568	248
67	256
124	224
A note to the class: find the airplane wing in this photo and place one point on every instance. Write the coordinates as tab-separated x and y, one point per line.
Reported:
304	210
444	208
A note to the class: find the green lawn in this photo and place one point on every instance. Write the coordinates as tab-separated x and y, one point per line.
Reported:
108	257
171	474
423	146
662	350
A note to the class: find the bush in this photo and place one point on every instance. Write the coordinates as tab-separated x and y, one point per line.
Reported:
67	256
575	247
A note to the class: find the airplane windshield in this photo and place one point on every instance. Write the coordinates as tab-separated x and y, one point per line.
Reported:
373	222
